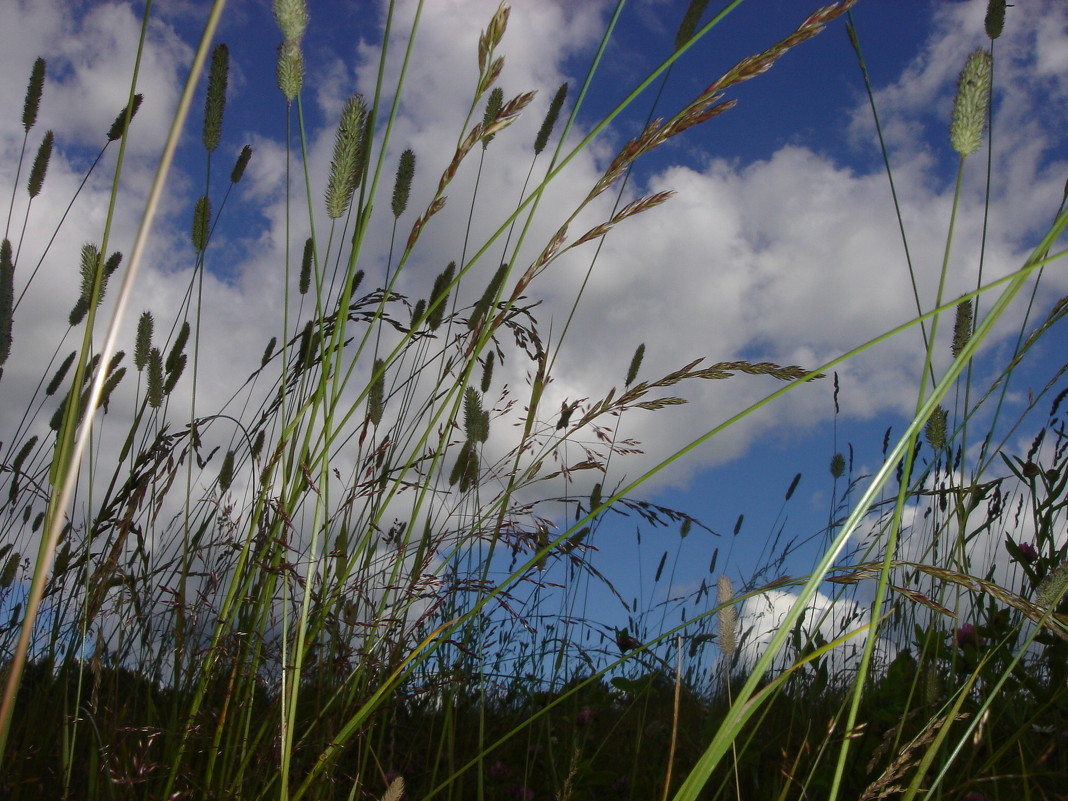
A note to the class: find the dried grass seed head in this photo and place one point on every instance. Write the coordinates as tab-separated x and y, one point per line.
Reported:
292	18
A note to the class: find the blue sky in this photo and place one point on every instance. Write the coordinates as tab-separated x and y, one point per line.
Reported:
781	243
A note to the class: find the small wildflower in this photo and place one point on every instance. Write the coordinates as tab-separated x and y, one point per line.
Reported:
499	770
625	642
584	715
1028	552
967	635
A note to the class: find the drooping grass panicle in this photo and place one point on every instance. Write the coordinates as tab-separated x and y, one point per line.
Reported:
33	94
242	162
970	106
119	125
551	116
215	101
40	166
487	43
402	186
143	340
7	299
345	167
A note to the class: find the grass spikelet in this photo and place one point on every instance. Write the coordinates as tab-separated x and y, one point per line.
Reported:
635	364
837	466
962	327
112	381
59	375
345	165
487	372
40	166
305	267
376	393
174	374
292	18
175	353
727	622
418	312
155	378
23	454
268	352
402	187
90	263
215	102
7	299
33	94
7	575
112	264
241	163
935	429
439	297
995	18
492	289
201	223
793	487
395	791
595	496
1053	587
689	22
118	127
143	341
970	106
547	125
476	420
289	72
226	472
465	471
493	108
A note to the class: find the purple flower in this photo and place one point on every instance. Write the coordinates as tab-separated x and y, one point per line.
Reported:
967	635
520	792
583	716
1028	552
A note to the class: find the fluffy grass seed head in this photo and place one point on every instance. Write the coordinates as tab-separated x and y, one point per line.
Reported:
289	72
935	429
1053	587
215	102
346	165
727	628
970	107
40	166
119	125
33	94
292	18
402	187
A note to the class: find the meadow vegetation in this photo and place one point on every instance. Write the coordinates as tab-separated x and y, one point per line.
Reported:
361	578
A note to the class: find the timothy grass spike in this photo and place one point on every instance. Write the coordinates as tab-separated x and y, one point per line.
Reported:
439	296
59	375
402	187
493	108
345	165
689	22
241	164
40	166
376	401
289	72
635	364
935	429
727	623
201	224
143	342
970	107
549	122
155	378
305	267
962	327
994	21
215	102
33	94
119	125
292	18
7	299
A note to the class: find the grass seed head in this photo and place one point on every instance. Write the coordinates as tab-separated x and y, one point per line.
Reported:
728	618
402	187
143	342
305	267
215	102
935	430
40	166
346	165
290	70
962	327
995	18
119	125
33	94
242	162
970	107
201	223
292	18
549	122
7	299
